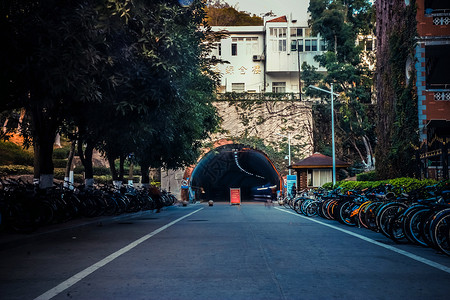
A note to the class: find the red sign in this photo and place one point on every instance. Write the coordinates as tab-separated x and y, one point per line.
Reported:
235	196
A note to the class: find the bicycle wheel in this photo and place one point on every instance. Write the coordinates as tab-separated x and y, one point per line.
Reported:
395	228
362	213
312	208
344	213
441	232
370	217
386	214
414	227
304	205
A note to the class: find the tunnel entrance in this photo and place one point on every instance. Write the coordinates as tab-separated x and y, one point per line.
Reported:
234	166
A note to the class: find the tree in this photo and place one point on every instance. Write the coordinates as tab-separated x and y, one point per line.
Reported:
108	69
49	56
220	13
397	100
340	23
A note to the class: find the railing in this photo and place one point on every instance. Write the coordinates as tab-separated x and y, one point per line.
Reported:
437	11
239	97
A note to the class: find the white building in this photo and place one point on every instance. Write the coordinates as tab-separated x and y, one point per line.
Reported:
266	58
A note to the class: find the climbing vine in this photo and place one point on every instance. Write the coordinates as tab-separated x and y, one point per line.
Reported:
397	99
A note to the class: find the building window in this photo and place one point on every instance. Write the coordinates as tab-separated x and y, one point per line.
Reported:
436	6
278	39
282	45
278	87
293	45
307	45
238	87
314	45
308	32
233	49
296	32
297	45
323	45
251	46
317	178
366	44
300	45
219	49
437	63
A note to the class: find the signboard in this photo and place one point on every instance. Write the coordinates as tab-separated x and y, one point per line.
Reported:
291	180
235	196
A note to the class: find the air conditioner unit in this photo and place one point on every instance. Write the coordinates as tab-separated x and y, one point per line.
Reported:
256	57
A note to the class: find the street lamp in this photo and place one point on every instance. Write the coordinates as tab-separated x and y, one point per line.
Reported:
289	147
332	127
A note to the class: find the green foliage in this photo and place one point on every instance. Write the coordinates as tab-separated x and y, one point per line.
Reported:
97	170
367	176
59	163
397	133
327	186
15	170
222	14
399	185
131	76
61	153
12	154
340	23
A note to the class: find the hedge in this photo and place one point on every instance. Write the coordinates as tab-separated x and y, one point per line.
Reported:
100	171
399	185
61	153
12	154
15	170
367	176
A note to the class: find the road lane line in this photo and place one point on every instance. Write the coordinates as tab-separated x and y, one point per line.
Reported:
399	251
89	270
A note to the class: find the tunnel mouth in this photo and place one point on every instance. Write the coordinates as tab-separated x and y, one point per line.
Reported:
234	166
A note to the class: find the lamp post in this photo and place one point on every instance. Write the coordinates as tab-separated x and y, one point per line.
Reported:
289	147
332	127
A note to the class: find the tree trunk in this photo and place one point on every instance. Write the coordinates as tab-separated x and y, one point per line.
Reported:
69	164
86	160
145	180
121	167
112	167
44	132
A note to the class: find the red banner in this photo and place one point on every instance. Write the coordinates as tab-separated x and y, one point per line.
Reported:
235	196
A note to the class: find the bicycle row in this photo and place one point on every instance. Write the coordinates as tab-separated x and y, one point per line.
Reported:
421	217
24	207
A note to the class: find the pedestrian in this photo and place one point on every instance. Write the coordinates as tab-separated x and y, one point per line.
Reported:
293	191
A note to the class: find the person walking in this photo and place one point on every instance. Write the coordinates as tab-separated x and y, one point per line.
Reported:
293	191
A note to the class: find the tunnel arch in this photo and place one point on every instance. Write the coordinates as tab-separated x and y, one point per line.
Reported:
231	166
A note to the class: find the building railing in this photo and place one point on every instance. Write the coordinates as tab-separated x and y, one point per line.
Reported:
244	96
437	12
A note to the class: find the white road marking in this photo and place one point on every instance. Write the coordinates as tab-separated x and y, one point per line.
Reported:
399	251
89	270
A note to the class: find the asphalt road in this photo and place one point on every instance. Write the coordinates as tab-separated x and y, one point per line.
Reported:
220	252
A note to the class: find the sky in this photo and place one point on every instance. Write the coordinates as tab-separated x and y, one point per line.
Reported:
279	7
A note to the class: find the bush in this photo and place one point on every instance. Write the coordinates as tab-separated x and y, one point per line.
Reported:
367	176
399	185
15	170
59	163
12	154
61	153
99	171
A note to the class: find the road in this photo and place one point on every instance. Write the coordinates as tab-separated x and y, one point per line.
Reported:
219	252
